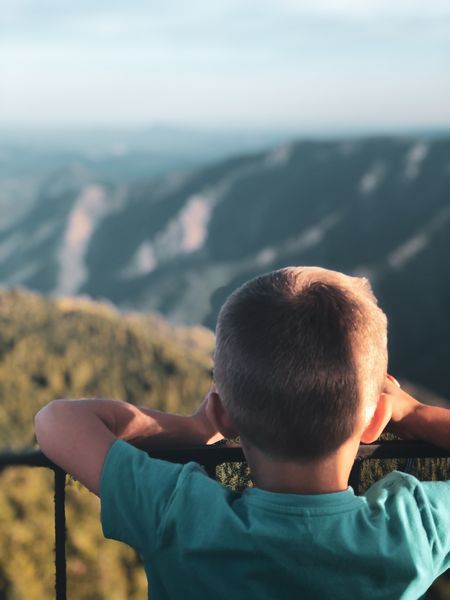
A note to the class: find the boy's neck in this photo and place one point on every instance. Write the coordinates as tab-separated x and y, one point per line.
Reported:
322	476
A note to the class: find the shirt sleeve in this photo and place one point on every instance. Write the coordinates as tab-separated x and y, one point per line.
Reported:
433	498
135	493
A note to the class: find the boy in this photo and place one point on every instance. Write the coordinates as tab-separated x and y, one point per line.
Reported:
300	375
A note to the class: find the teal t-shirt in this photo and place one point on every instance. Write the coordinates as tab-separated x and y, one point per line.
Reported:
198	539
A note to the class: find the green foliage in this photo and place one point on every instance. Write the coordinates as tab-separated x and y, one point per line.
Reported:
76	348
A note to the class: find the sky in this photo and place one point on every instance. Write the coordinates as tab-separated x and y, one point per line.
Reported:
315	64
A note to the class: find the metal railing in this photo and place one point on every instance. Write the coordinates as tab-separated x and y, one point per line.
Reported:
209	457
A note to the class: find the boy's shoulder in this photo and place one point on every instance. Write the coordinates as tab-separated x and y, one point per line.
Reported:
410	500
401	482
152	505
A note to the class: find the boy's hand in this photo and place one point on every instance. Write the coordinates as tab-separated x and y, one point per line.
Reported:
204	422
403	407
413	420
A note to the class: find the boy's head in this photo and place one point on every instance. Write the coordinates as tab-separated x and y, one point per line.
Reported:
300	360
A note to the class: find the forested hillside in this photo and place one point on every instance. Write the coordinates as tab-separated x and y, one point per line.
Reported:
74	348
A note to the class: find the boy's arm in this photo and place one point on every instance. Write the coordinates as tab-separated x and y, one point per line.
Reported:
413	420
77	434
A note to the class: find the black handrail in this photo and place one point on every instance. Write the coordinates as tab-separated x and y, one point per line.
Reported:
217	454
209	457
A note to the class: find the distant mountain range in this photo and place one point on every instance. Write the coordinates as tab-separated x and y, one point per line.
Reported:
178	245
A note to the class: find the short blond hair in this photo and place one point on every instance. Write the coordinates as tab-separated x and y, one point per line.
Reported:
301	356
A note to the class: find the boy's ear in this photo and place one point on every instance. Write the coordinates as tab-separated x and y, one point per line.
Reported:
380	419
220	417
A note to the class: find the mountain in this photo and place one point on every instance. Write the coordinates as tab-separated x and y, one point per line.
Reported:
179	244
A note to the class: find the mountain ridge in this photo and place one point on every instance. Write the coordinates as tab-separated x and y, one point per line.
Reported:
377	207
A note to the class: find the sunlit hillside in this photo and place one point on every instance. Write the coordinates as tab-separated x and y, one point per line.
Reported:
74	348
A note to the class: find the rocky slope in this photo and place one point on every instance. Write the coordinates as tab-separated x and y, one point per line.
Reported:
179	245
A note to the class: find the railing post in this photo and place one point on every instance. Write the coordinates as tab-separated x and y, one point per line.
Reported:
210	469
60	534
